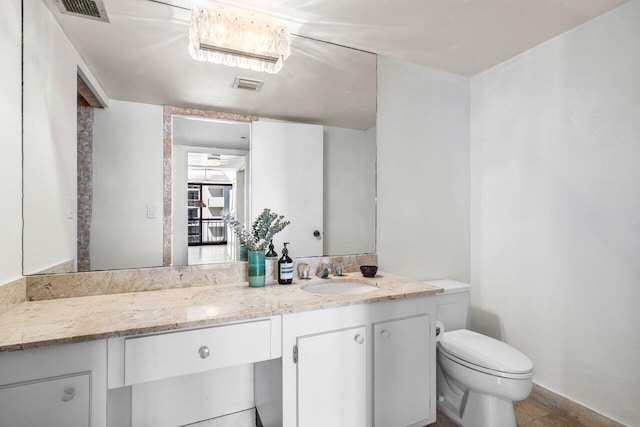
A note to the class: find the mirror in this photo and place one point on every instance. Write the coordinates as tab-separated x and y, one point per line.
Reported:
126	169
210	159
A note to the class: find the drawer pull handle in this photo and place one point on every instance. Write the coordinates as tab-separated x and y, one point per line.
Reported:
68	393
204	352
359	339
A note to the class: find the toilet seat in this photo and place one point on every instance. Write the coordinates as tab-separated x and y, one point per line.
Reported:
485	354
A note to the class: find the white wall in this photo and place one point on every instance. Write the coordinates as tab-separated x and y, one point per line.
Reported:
51	66
127	176
556	210
11	137
50	123
423	171
349	191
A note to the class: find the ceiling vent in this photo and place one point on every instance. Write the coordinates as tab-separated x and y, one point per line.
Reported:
247	84
92	9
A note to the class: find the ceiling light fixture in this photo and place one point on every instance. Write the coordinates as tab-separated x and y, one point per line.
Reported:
237	41
214	160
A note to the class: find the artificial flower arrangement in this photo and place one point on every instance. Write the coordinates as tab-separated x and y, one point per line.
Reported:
265	226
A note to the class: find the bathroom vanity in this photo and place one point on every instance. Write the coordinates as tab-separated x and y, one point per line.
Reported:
358	359
349	365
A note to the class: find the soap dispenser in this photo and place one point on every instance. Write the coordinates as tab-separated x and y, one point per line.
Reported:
271	253
285	267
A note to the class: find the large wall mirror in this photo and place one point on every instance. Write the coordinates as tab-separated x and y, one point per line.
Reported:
143	182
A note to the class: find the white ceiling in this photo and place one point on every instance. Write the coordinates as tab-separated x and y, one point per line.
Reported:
463	37
142	54
200	132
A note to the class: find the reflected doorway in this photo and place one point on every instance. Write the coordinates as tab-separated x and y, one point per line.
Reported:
210	163
215	188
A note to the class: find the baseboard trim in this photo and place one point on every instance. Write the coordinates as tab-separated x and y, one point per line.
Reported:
570	409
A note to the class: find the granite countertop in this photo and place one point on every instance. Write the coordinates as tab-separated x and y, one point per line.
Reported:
66	320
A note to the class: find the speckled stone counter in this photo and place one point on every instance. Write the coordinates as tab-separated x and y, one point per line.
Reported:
65	320
52	286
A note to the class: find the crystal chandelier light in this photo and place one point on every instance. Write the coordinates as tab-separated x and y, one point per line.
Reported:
237	41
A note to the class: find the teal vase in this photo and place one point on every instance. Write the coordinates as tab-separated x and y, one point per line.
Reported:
256	269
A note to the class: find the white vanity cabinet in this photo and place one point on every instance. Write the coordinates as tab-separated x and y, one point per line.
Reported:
151	357
370	365
401	371
58	386
185	376
332	378
62	401
155	357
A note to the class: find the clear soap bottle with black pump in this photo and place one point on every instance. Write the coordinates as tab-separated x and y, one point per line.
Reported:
285	267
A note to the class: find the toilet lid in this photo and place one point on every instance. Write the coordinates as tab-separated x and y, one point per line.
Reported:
485	352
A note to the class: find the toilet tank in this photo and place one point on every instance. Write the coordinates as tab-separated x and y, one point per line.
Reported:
452	305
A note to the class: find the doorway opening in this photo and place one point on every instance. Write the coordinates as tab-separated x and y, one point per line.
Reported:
215	188
210	176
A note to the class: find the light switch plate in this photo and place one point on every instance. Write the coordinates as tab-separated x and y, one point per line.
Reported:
151	211
71	207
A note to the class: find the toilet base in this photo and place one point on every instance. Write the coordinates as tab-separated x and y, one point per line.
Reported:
475	399
481	410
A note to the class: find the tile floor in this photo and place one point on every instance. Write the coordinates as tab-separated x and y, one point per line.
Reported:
529	413
208	254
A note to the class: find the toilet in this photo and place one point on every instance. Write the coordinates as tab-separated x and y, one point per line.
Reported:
478	377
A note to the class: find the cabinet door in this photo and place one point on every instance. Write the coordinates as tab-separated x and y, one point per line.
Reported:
60	402
401	372
286	176
332	379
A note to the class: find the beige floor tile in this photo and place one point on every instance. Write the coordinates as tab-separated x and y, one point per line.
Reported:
528	410
529	413
553	420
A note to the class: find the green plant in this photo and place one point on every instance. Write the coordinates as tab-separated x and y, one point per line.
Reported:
265	226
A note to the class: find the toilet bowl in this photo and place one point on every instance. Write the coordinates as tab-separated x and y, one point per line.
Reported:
478	377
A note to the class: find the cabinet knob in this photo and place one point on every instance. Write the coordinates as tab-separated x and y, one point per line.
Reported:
68	393
359	339
385	334
204	352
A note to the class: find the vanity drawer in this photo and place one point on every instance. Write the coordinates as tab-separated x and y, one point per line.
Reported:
155	357
55	402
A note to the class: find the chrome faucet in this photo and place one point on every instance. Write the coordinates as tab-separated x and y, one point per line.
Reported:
324	271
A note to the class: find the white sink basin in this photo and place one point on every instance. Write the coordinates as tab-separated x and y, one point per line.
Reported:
339	288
